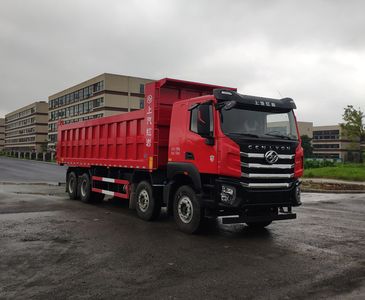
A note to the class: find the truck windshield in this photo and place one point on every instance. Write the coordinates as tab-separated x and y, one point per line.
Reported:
259	123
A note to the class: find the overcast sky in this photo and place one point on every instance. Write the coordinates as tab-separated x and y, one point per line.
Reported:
312	51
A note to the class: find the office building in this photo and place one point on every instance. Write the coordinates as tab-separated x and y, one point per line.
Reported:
329	142
103	95
26	130
305	128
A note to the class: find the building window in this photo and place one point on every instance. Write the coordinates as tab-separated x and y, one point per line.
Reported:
81	109
141	88
326	135
326	146
81	95
98	102
86	107
327	155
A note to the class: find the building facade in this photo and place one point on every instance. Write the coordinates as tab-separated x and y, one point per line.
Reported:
26	130
103	95
329	142
305	128
2	134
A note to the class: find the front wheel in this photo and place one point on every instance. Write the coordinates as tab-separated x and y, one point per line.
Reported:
85	188
187	211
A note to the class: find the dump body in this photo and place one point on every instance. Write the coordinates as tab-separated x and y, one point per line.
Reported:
136	139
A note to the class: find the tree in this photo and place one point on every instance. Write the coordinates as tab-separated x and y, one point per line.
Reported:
354	128
307	146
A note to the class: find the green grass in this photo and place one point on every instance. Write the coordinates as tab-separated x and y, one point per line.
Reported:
352	172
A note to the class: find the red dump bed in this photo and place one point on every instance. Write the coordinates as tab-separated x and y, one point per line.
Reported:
136	139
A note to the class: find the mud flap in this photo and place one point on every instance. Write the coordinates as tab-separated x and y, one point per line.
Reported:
132	196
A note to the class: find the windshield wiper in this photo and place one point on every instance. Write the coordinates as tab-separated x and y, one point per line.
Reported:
244	134
279	135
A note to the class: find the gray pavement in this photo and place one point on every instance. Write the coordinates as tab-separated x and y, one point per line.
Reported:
55	248
20	170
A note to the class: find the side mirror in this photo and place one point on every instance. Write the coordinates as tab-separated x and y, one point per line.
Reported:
205	122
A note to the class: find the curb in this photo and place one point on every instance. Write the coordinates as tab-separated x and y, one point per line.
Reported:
33	160
333	191
33	183
333	181
323	185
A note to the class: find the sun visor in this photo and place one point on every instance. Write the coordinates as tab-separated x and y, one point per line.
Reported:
254	102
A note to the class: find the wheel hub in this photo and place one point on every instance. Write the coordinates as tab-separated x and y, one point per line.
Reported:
143	200
185	209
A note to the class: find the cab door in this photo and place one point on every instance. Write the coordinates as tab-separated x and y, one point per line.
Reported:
201	145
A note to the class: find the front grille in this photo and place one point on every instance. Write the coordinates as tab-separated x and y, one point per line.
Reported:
257	173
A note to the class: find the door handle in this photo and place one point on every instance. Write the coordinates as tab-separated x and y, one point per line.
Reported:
189	155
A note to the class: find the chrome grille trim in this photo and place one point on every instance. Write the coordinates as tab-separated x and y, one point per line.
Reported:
261	166
262	155
260	175
266	185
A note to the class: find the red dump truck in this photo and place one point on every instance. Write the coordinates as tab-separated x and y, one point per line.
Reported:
201	151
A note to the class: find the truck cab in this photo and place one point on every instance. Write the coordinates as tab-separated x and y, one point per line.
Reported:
242	154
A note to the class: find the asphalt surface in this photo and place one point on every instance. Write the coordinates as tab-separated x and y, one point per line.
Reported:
55	248
21	170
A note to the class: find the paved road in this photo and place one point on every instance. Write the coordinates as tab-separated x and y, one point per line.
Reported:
19	170
55	248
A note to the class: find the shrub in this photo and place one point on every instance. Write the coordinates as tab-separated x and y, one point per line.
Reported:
316	163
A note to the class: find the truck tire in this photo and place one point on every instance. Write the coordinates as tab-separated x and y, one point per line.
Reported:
258	225
72	185
148	208
187	211
85	188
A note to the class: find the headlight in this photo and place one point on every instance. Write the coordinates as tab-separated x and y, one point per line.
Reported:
228	194
228	190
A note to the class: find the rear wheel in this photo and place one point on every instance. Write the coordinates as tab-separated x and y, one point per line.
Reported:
72	185
187	211
85	192
258	225
85	188
148	208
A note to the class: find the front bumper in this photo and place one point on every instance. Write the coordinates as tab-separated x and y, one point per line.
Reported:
261	218
265	196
